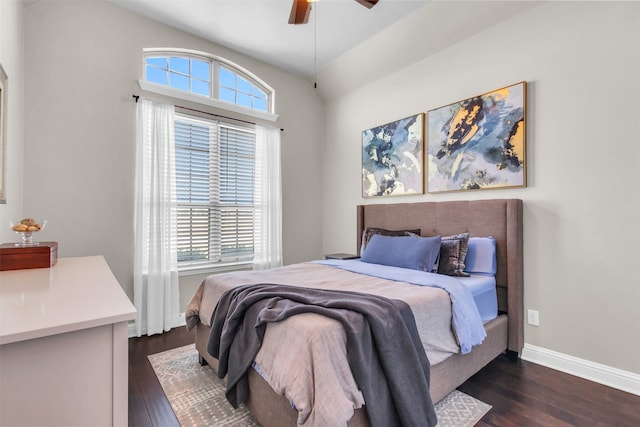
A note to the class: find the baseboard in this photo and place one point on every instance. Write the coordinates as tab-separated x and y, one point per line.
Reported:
132	325
592	371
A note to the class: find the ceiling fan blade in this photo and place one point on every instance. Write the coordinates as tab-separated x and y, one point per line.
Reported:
368	3
300	12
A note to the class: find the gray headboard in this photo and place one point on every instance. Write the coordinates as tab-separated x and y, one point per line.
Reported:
500	218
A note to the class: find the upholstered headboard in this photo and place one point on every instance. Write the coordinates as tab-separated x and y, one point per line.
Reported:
499	218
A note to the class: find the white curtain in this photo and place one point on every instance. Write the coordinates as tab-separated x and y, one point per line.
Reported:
155	275
268	200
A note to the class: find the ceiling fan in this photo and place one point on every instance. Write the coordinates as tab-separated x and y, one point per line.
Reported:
301	8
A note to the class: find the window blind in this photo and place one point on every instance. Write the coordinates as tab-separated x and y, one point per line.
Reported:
215	178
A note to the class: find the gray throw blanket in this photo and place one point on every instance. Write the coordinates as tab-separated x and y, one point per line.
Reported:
384	350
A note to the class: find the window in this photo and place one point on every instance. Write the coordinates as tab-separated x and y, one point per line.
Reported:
215	164
188	74
228	197
238	90
206	77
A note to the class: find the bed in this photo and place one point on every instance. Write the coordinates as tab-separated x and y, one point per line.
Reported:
500	219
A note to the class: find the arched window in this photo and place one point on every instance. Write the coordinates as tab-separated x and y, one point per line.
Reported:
215	159
207	79
189	74
238	89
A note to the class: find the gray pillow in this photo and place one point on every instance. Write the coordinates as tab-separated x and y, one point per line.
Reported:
453	253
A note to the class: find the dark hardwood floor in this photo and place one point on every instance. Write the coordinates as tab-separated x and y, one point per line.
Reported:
148	406
521	393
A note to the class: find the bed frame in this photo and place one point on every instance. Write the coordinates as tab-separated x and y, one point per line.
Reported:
500	218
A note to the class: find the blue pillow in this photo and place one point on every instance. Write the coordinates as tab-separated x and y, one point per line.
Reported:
481	256
416	253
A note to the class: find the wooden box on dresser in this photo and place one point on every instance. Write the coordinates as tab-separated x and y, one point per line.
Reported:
64	345
39	255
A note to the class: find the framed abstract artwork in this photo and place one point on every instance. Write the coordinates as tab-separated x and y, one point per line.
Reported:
392	158
478	143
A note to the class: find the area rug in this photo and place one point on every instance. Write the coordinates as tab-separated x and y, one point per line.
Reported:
197	395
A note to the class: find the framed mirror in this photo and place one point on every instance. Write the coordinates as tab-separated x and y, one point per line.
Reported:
3	135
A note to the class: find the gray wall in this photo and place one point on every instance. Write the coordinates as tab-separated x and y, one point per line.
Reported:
82	59
582	205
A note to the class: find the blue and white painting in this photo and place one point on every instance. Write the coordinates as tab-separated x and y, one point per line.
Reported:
392	158
478	143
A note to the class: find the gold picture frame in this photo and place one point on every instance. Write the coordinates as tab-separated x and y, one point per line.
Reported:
3	135
479	143
392	158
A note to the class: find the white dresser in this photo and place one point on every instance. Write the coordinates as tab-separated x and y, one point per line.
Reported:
64	345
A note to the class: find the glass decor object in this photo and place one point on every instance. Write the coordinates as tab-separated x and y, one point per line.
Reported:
27	228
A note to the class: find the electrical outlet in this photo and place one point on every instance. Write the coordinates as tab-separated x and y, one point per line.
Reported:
533	317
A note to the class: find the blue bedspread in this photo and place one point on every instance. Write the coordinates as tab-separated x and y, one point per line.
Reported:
466	321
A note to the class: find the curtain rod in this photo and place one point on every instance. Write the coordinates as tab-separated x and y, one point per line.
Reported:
136	97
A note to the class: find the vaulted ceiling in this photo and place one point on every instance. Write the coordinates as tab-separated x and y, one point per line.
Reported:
380	40
260	28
